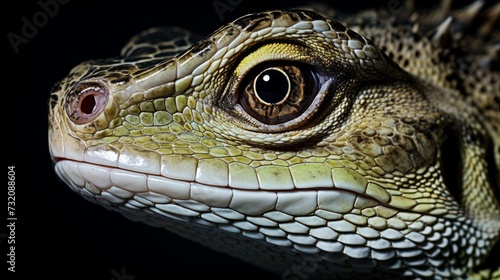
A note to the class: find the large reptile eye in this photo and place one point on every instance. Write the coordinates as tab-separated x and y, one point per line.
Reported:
277	94
85	102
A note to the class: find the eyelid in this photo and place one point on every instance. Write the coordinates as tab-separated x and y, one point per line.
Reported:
272	52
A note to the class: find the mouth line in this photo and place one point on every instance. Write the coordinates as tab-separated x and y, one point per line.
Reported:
169	183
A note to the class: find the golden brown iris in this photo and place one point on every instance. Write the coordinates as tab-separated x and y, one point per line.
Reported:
277	94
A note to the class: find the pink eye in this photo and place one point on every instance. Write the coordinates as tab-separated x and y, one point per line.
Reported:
85	102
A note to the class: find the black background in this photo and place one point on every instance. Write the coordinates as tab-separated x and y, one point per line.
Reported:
59	234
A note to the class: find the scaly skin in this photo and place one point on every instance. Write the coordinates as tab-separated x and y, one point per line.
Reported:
377	161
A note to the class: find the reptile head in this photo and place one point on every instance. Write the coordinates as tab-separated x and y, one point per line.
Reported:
291	136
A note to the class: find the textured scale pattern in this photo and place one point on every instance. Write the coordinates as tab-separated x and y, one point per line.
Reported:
359	179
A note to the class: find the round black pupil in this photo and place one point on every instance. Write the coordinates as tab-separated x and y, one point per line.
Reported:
88	104
272	86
